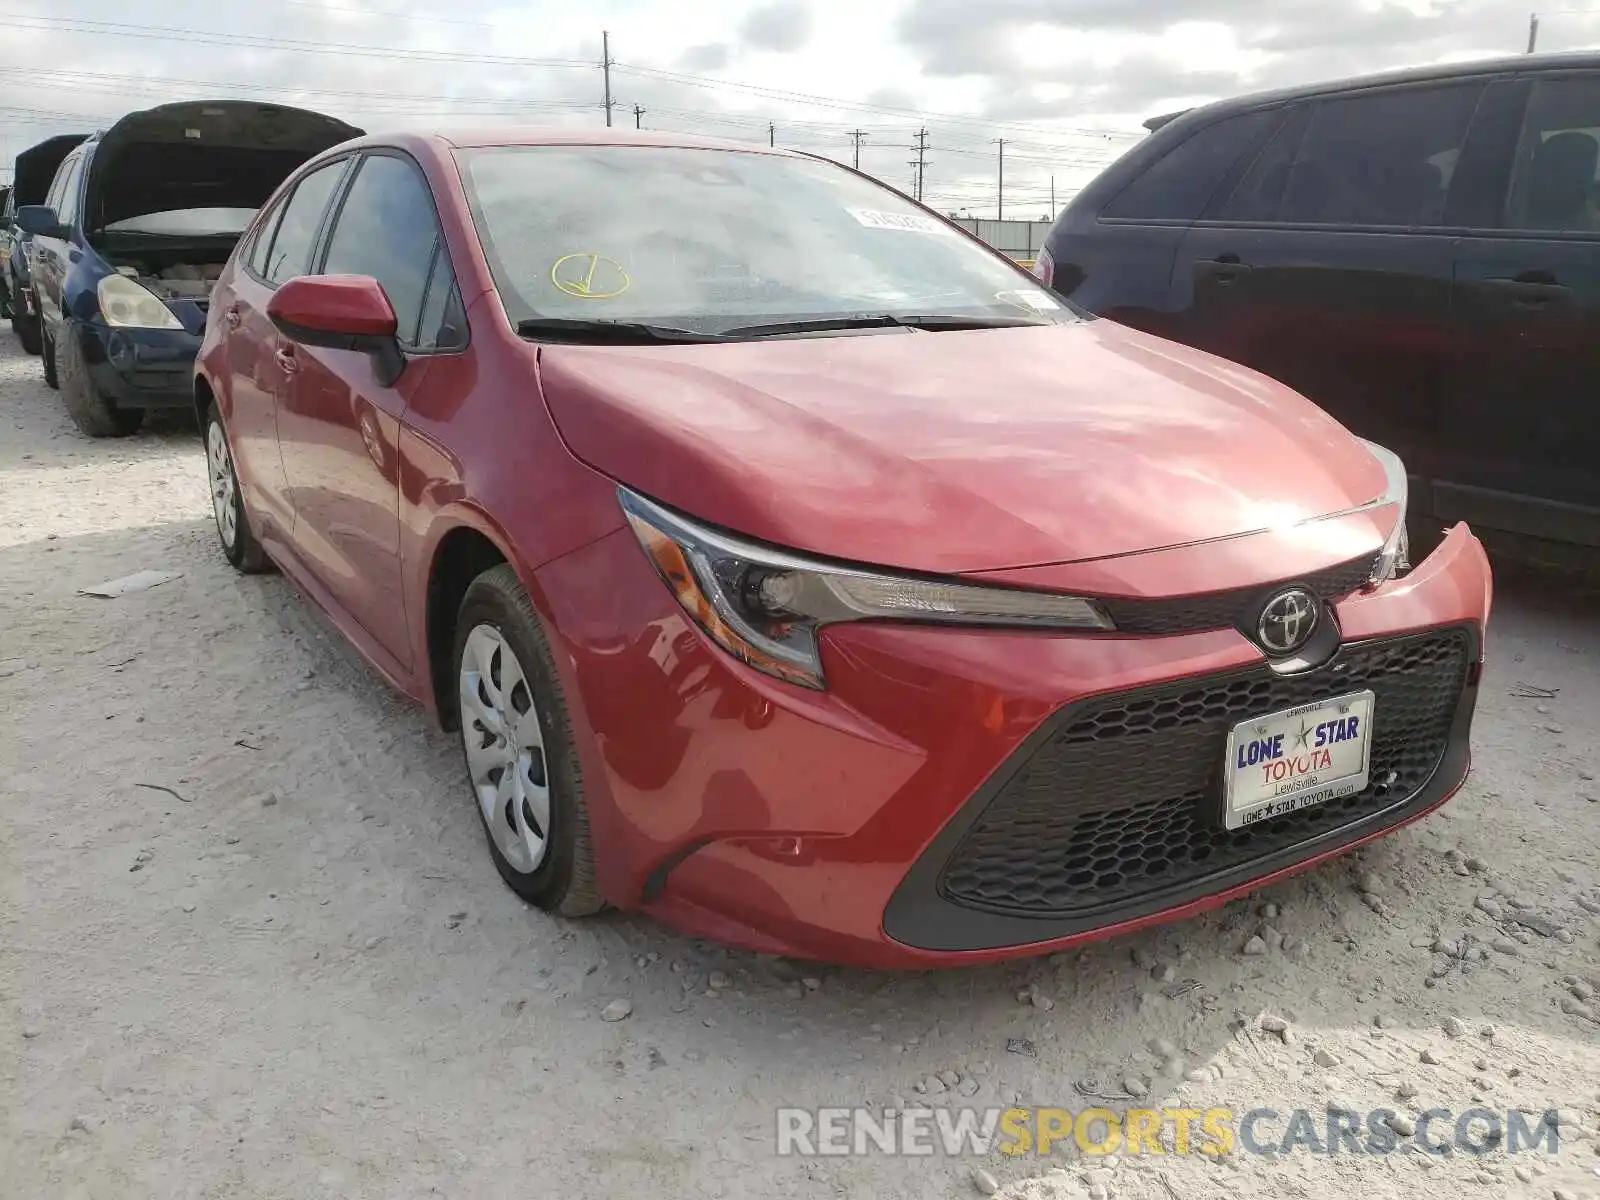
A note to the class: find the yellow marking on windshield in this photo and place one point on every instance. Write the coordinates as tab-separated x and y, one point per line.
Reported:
590	276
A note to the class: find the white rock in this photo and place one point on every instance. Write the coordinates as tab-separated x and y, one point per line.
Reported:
719	980
1272	1024
1429	1057
1402	1124
811	983
986	1183
1042	1002
1405	1089
1162	1048
949	1078
1503	945
1135	1086
1454	1027
1198	1075
1325	1058
617	1010
1369	884
1255	946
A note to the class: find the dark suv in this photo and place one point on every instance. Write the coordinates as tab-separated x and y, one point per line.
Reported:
1418	252
35	167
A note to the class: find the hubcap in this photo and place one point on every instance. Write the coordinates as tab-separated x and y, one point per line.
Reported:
505	748
222	485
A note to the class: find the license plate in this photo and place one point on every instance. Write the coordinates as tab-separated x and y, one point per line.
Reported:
1293	759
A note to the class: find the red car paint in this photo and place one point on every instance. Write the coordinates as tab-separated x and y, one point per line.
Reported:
1086	459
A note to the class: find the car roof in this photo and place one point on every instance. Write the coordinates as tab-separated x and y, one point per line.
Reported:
1556	60
556	135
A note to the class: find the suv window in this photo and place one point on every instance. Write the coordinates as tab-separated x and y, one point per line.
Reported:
387	229
1178	185
1383	158
292	243
1557	182
52	197
66	205
1257	194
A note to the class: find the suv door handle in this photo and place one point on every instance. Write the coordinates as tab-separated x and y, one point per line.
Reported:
1224	269
1526	293
287	363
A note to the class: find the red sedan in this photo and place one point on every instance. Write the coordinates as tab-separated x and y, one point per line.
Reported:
799	570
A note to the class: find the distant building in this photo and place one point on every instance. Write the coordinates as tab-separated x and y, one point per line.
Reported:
1019	240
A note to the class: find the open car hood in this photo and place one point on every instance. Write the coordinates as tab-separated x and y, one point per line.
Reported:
36	167
202	154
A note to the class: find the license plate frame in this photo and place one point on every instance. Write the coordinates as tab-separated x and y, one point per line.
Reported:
1307	788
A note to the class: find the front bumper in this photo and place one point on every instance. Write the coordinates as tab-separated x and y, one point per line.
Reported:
141	368
922	811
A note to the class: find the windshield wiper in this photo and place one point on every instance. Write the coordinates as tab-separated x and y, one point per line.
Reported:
601	330
930	321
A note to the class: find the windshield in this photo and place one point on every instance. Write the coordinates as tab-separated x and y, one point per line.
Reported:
713	240
187	222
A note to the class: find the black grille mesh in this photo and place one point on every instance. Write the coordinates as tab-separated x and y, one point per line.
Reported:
1220	610
1120	800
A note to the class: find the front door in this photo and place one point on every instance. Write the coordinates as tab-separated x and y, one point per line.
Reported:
339	427
1521	427
52	256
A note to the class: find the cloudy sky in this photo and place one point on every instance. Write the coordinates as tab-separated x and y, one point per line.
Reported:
1065	82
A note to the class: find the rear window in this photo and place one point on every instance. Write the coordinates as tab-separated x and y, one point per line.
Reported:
1178	186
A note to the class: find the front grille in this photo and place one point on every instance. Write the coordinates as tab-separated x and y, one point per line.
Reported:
1236	608
1122	799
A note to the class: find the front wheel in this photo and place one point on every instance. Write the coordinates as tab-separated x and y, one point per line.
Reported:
517	741
93	413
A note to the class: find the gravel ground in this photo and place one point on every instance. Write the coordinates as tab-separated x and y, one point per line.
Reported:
253	945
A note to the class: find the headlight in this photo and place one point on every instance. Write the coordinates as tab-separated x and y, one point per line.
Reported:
1395	558
126	304
766	607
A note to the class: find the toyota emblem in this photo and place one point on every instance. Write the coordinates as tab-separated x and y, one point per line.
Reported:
1287	621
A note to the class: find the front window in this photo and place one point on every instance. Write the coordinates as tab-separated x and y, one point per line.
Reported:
714	240
187	222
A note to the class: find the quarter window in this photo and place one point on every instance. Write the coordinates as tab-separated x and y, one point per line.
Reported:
1179	185
296	235
386	228
262	242
67	203
1383	158
1556	187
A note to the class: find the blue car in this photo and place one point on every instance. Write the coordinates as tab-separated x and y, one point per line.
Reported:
30	181
133	232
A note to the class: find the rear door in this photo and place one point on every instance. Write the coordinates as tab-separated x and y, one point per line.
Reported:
339	425
1328	264
282	248
1520	434
1117	261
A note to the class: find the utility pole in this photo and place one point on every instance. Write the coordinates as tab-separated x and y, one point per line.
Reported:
856	136
1533	31
1052	197
921	161
772	133
605	67
1000	196
638	117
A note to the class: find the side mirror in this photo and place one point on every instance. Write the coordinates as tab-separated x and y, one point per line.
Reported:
39	220
340	312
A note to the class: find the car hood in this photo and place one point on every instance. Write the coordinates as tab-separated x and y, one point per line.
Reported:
202	154
36	167
959	451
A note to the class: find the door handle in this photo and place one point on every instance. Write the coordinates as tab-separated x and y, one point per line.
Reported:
287	363
231	316
1528	293
1224	269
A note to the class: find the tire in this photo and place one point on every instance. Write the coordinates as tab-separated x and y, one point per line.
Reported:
47	352
242	550
27	331
562	880
91	412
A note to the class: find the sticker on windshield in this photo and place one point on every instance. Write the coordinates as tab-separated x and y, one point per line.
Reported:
590	276
1029	298
904	222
